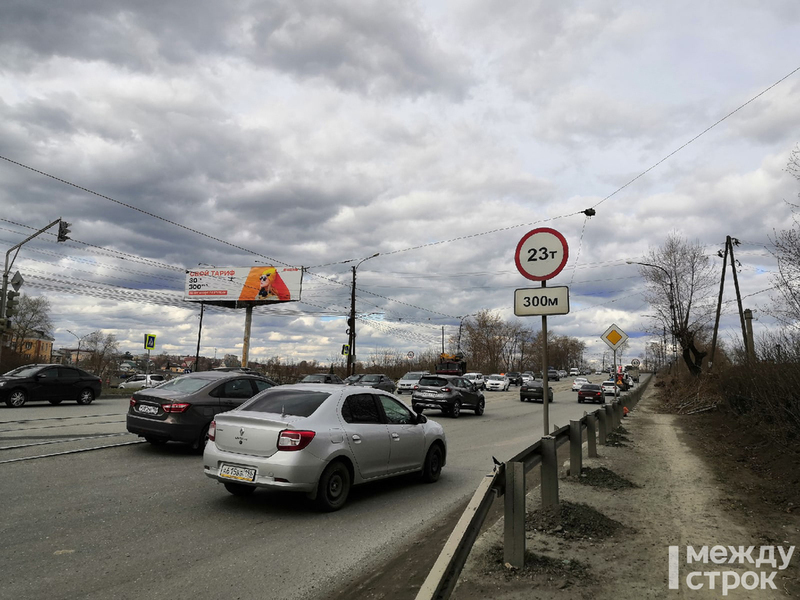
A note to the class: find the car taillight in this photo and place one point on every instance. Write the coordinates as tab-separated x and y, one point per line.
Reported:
133	402
212	431
416	387
446	389
175	407
290	439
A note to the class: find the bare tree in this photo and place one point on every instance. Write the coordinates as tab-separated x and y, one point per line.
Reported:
679	284
786	305
103	352
33	315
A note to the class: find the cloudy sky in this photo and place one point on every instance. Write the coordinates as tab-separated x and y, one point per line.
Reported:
194	133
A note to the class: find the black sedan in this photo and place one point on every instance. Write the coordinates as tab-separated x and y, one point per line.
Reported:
447	393
591	392
182	409
534	390
54	383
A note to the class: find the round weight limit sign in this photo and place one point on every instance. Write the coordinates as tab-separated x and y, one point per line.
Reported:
541	254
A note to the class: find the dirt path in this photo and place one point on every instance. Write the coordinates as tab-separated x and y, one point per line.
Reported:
613	542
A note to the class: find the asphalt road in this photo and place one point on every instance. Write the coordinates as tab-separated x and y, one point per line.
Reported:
134	521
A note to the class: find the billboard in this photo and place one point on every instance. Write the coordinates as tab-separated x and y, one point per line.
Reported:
226	285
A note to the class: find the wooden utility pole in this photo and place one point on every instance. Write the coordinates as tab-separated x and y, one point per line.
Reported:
719	306
738	294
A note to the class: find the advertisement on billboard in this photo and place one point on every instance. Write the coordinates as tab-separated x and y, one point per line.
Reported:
244	284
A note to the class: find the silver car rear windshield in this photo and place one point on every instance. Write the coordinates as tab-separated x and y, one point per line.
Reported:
297	403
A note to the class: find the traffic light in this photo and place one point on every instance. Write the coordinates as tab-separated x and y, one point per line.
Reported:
11	303
63	231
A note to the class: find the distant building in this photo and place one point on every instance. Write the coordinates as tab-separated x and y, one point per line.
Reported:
37	347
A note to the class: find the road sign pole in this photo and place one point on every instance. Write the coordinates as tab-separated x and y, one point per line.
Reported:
545	382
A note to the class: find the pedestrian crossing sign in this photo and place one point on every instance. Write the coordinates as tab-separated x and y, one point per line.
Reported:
149	341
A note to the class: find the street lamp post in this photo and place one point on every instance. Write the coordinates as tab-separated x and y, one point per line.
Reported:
351	322
80	339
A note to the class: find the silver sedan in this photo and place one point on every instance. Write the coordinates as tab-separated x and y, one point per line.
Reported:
321	439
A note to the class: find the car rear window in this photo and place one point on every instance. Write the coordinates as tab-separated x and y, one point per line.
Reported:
297	403
591	387
186	385
412	375
433	381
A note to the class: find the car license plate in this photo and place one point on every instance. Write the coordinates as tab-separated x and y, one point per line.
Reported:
240	473
146	409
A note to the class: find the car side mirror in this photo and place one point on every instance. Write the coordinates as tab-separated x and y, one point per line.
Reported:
421	419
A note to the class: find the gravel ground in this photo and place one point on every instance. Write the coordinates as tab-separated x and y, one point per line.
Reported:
649	490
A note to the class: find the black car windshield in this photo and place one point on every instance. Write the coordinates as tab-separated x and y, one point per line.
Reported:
298	403
186	385
433	381
496	377
371	378
26	371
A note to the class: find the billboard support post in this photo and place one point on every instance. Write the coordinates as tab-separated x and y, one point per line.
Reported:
199	333
248	321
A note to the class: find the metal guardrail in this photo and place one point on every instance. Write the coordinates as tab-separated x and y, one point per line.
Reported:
508	480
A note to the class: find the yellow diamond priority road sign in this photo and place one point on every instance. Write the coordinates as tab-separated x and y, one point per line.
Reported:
614	337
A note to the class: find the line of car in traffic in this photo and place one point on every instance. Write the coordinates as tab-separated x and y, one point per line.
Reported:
318	437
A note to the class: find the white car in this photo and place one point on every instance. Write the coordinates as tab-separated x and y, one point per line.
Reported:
579	383
527	378
609	388
477	379
140	381
497	383
407	382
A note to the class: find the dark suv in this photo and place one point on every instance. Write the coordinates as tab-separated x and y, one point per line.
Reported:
514	378
54	383
447	393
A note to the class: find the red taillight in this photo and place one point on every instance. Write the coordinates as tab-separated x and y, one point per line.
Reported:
416	387
133	402
212	431
446	389
175	407
289	439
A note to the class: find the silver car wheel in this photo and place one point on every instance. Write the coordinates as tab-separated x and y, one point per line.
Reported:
86	396
16	398
334	487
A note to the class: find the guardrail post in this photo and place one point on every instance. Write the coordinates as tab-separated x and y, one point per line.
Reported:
549	472
602	420
619	413
575	448
609	410
591	436
514	515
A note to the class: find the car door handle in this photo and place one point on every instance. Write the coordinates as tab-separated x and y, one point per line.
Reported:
356	438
